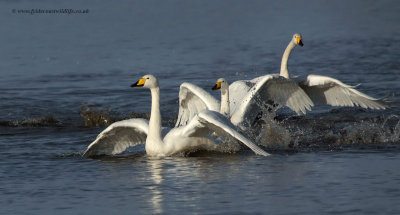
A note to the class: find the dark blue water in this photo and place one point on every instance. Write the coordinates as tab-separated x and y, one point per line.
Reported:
54	66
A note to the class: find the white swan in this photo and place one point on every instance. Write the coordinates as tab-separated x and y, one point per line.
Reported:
276	88
195	135
322	90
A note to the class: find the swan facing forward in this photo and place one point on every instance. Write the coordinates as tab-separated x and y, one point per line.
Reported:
193	136
301	94
274	88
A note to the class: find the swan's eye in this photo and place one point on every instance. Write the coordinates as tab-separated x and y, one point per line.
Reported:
148	78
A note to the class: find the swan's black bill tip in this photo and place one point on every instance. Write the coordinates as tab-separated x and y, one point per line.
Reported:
137	84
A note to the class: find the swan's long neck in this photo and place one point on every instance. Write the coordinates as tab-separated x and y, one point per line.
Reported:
225	110
155	116
285	57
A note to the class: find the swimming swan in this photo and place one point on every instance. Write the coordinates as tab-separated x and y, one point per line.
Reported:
322	90
195	135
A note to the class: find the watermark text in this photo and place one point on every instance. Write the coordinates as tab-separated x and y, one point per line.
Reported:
50	11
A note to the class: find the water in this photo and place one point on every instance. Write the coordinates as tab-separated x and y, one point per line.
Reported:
328	182
334	160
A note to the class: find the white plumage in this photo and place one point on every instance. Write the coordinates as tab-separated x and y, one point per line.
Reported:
192	100
193	136
325	90
246	98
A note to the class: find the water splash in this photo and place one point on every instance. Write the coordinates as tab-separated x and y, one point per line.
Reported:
46	121
273	133
92	116
332	130
328	133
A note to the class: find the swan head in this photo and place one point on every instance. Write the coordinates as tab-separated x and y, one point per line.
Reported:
297	39
221	84
148	81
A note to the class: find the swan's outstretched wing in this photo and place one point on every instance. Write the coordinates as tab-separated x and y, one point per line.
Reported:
192	100
326	90
272	88
119	136
211	121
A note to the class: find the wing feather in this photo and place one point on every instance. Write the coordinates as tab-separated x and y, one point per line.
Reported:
272	88
119	136
192	100
210	121
325	90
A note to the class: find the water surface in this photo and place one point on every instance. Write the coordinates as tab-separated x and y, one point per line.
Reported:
54	67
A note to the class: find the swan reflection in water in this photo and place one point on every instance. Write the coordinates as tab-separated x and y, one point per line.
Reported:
154	167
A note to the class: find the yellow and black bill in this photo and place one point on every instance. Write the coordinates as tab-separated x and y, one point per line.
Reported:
139	83
217	86
300	41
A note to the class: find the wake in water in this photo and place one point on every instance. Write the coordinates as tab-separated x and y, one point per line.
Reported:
46	121
334	130
328	133
93	117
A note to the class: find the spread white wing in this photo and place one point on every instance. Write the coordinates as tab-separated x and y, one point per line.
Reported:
210	121
326	90
119	136
271	88
192	100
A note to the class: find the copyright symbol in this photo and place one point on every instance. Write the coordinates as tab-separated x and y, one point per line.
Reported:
13	10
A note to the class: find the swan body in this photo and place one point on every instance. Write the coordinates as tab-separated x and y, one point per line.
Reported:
301	95
162	141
